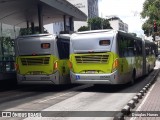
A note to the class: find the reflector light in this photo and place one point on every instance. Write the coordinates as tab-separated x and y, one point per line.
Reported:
16	66
45	45
104	42
70	64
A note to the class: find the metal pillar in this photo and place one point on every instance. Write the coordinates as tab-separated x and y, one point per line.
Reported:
71	24
1	43
1	30
27	24
2	48
14	27
40	18
64	20
27	27
32	27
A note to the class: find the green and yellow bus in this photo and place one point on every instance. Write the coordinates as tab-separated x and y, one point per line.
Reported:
108	57
42	58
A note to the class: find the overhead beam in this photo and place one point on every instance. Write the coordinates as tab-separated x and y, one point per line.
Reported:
67	8
32	27
17	12
40	18
71	24
64	21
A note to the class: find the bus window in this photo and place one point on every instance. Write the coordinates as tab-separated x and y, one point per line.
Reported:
63	48
122	45
138	45
130	47
125	45
147	50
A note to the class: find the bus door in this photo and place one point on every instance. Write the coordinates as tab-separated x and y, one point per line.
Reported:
123	53
63	51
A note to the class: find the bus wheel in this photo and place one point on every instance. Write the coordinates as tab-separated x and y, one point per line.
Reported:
133	77
148	69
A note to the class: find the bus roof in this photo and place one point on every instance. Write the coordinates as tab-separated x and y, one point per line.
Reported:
112	31
106	30
64	36
95	31
36	35
101	31
32	44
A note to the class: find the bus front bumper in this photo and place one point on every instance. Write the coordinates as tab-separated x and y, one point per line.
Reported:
38	79
111	78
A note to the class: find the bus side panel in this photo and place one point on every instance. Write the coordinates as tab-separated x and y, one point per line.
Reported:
64	71
125	69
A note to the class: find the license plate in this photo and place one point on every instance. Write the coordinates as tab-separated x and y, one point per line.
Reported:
30	78
91	72
45	78
36	72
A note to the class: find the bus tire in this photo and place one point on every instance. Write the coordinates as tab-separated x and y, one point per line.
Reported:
148	69
133	77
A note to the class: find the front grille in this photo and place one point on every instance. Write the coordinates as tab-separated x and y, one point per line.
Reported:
35	61
92	58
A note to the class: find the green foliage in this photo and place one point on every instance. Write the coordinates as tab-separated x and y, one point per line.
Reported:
25	31
148	28
98	23
151	11
83	28
7	45
134	34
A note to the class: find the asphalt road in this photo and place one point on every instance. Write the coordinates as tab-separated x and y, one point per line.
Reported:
81	98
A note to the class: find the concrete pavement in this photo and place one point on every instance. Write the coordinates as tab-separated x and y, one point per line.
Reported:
149	108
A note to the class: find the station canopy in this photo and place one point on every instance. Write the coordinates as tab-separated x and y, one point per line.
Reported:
18	12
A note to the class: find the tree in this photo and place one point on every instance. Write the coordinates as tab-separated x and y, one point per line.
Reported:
25	31
98	23
151	11
106	24
134	34
83	28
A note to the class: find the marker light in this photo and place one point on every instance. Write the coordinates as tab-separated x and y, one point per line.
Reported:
70	64
16	66
55	65
115	64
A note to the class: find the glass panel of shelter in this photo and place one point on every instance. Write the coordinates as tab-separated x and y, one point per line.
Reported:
7	55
